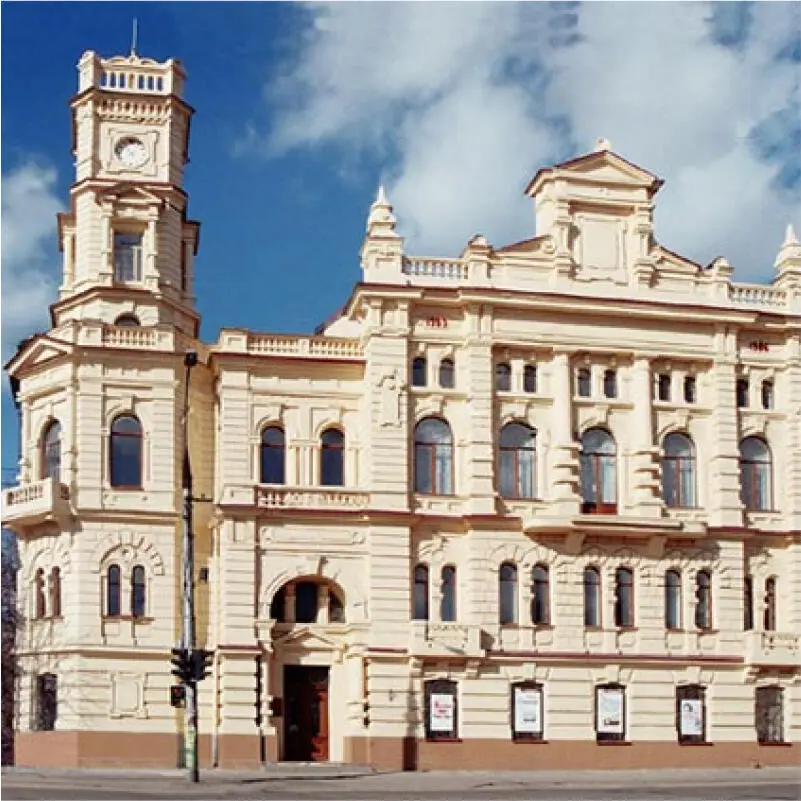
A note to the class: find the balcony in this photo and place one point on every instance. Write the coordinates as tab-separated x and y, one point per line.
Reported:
773	648
431	638
272	497
35	503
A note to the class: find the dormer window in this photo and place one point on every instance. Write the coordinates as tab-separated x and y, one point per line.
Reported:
127	257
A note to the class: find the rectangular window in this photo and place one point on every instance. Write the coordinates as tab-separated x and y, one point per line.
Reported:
769	711
610	713
663	387
691	714
527	711
610	384
442	710
742	393
689	389
583	383
127	257
46	702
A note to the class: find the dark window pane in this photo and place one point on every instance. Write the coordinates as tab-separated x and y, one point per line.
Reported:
742	393
503	378
583	383
332	458
508	593
767	394
419	372
448	605
51	455
663	387
420	599
46	702
540	613
517	461
278	606
703	598
610	383
55	592
39	588
446	374
672	599
306	602
624	597
336	609
113	587
529	378
138	591
769	615
592	597
748	603
273	453
756	477
689	389
126	452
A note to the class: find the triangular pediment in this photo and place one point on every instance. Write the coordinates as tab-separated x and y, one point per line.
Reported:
665	258
129	191
525	247
601	167
36	351
307	637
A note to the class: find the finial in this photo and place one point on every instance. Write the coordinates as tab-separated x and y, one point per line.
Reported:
381	197
789	236
134	36
602	145
381	218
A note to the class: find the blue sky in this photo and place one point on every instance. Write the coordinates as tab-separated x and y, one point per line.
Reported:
302	108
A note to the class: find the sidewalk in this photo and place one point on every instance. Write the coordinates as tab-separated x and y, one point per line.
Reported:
367	779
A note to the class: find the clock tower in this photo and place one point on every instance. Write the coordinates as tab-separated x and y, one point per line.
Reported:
127	244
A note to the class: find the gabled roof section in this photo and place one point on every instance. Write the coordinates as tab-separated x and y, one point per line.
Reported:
532	245
602	167
674	260
37	350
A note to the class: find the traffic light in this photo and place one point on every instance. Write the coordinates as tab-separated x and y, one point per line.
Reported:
201	664
181	665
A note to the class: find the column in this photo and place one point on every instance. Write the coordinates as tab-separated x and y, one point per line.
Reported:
563	462
644	499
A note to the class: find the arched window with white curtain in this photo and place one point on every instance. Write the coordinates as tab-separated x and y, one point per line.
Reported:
598	465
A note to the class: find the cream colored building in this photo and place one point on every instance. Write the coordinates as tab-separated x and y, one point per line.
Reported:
505	510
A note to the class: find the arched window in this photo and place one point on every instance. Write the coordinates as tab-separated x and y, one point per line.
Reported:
113	591
433	457
529	378
40	602
610	383
598	472
748	603
517	461
678	471
336	608
756	480
272	455
503	377
278	605
332	458
592	596
307	597
584	382
419	378
446	374
769	616
767	394
673	599
127	321
138	591
540	603
55	592
624	597
703	600
447	609
51	451
126	452
507	592
420	597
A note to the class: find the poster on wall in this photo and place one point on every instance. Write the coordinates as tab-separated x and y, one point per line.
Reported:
691	719
610	710
441	712
528	710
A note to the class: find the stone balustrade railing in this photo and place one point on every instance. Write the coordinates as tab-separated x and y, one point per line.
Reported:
304	346
452	269
310	498
758	296
32	503
132	337
779	640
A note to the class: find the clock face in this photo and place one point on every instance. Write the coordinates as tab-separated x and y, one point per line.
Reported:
131	152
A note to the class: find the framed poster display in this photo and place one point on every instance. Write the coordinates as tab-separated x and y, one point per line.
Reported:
527	714
442	710
691	714
610	712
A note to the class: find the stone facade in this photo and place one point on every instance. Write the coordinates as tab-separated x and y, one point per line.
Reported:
460	499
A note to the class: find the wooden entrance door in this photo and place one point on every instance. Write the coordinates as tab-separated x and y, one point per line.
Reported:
306	714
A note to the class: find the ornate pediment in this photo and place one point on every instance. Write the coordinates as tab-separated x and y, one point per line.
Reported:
37	351
131	193
306	638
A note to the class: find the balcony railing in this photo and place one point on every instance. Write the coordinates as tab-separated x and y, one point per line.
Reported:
451	269
432	638
37	502
270	497
757	296
773	648
305	347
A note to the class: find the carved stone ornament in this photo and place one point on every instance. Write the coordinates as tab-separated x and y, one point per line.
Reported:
391	386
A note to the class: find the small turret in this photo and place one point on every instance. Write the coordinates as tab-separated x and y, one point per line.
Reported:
382	249
788	260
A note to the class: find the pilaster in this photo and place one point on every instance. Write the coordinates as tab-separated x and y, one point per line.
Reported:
644	498
564	450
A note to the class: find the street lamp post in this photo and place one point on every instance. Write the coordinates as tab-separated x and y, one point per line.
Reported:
188	594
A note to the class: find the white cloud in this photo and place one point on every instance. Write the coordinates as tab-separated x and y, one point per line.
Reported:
29	274
459	102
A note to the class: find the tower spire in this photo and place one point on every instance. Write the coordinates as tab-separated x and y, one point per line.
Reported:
134	36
